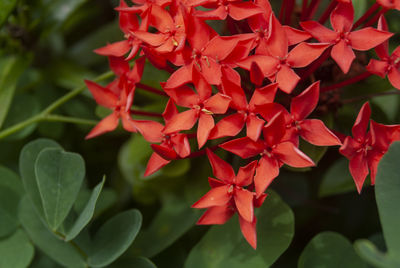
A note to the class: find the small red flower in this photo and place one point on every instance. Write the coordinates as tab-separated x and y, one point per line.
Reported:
228	195
343	39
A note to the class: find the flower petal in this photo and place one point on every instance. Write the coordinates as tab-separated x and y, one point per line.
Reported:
267	170
217	104
287	79
361	39
342	17
304	54
117	49
245	174
243	10
359	170
228	126
154	164
289	154
343	55
254	126
206	124
244	203
221	169
249	231
106	125
315	132
394	77
243	147
216	215
303	104
102	95
319	32
151	130
218	196
182	121
359	129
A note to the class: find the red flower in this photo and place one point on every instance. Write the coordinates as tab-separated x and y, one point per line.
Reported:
202	108
172	146
389	64
312	130
365	149
278	63
236	9
342	38
389	4
246	113
228	195
117	96
274	150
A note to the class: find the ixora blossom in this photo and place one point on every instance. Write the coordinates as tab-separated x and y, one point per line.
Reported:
226	79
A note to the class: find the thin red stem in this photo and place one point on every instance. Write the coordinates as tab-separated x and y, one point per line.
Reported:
312	9
367	14
314	66
304	9
347	82
204	151
282	11
151	89
328	11
150	114
289	10
375	18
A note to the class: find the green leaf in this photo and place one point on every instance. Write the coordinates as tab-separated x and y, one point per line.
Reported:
337	179
6	7
16	251
11	69
173	220
27	161
59	176
11	180
368	251
224	246
9	200
87	213
136	262
62	252
330	250
387	192
114	237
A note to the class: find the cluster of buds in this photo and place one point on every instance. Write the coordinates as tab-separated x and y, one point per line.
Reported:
258	76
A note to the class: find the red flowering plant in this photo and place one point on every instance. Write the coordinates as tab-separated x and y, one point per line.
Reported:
246	76
242	94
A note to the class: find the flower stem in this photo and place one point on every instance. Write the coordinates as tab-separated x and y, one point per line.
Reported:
375	18
347	82
314	66
304	10
67	119
367	14
45	114
324	17
150	114
151	89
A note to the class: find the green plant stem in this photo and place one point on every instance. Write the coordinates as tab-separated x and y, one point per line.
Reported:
45	114
67	119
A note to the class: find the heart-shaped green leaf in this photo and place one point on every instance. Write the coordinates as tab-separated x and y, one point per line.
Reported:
224	246
114	237
59	177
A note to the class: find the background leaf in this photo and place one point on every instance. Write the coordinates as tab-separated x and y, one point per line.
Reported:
59	177
16	251
224	246
8	211
114	237
330	250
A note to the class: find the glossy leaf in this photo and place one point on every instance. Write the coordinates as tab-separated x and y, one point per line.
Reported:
224	246
329	249
62	252
369	252
171	222
337	179
11	180
8	211
136	262
27	161
16	250
86	214
114	237
59	176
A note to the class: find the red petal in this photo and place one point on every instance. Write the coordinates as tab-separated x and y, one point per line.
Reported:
361	39
155	163
102	95
118	65
260	200
343	55
135	75
295	36
117	49
206	124
183	96
127	122
292	156
217	104
319	32
342	17
151	38
221	169
106	125
218	196
215	183
303	54
275	130
161	19
269	110
244	204
256	74
277	39
267	64
263	95
378	67
287	79
394	77
216	215
228	126
236	93
359	129
243	147
359	170
210	69
151	130
165	151
217	14
182	121
267	170
254	127
349	148
243	10
170	111
315	132
245	174
303	104
213	48
181	145
181	76
249	231
202	87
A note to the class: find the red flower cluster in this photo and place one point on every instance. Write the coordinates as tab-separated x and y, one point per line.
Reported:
257	76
